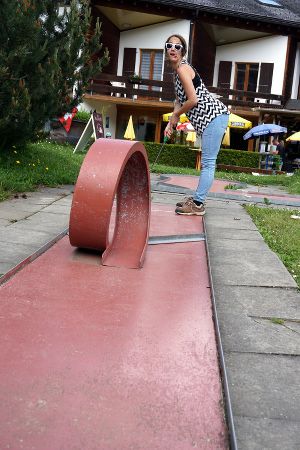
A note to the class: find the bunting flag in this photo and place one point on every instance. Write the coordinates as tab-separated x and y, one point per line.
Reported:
66	120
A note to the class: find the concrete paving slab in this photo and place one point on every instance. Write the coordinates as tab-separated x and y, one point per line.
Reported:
4	223
41	222
10	252
247	267
234	221
31	198
10	235
5	267
218	204
7	212
236	234
264	386
267	434
243	333
258	301
57	208
51	191
238	245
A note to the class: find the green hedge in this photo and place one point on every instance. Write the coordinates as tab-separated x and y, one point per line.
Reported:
176	155
239	158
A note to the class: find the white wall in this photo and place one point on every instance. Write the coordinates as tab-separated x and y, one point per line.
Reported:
296	74
106	109
271	49
150	37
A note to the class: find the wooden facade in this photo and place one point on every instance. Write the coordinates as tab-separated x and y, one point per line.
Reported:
138	96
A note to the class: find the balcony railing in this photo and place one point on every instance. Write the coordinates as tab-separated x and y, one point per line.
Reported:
142	89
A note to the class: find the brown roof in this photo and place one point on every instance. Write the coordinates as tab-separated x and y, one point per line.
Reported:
287	14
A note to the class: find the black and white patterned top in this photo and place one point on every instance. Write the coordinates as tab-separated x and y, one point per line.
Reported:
207	108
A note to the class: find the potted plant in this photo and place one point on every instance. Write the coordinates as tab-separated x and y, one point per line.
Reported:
135	79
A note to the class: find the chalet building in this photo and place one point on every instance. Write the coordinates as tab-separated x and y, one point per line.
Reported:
247	53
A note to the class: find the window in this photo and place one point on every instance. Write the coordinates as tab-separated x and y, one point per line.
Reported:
246	78
151	67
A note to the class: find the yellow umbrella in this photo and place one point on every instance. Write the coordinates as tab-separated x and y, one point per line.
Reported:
294	137
238	122
191	136
183	117
226	138
129	133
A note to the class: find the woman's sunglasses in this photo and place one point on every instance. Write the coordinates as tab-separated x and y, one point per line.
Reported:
177	47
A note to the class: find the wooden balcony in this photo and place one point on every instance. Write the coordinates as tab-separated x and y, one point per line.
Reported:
124	89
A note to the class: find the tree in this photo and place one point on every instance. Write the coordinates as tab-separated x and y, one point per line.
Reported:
46	60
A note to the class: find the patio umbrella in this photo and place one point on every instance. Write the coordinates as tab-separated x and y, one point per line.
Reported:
238	122
265	129
129	133
191	136
226	138
294	137
183	117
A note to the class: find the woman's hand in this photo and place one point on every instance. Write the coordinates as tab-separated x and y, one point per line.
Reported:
168	131
173	121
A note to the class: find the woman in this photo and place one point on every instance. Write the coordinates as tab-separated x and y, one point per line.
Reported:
207	114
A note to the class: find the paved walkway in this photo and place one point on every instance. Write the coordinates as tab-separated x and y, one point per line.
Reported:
251	286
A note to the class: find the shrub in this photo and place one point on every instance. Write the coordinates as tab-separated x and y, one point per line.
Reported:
84	116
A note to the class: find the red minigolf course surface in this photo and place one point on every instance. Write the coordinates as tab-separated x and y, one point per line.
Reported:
109	358
105	357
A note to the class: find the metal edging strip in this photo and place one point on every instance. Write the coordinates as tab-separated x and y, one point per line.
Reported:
228	407
6	276
176	238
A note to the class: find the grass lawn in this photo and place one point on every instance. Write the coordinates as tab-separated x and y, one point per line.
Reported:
49	164
281	233
40	163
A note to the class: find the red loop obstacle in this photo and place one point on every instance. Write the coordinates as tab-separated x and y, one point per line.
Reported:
113	168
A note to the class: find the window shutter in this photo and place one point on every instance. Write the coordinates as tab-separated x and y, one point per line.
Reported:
265	78
129	61
168	93
224	75
168	72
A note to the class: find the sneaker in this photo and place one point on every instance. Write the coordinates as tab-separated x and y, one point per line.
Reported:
183	201
189	208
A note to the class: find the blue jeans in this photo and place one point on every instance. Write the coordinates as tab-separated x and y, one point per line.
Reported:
211	142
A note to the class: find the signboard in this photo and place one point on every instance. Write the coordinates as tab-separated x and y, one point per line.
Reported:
98	125
94	126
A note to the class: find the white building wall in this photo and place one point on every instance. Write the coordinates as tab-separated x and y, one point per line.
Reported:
150	37
296	74
270	49
108	111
